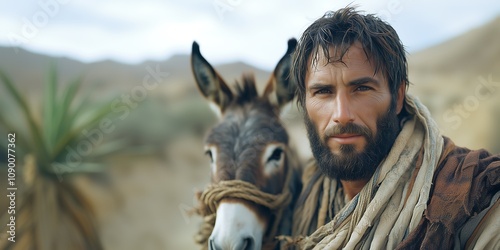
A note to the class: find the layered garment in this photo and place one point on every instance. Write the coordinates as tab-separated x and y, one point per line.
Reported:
423	195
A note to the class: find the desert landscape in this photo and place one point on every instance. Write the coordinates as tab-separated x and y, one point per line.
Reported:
143	196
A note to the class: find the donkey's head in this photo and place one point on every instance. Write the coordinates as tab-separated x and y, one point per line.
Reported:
248	144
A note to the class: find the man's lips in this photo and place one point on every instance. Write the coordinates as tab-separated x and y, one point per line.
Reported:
346	138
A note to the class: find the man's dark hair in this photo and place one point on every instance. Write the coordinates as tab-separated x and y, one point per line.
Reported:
339	30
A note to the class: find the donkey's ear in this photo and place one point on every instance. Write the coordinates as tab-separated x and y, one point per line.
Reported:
210	84
280	88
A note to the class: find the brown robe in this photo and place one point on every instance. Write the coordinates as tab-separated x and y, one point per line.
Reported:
463	185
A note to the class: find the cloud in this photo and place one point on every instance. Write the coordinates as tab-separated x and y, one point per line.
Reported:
227	30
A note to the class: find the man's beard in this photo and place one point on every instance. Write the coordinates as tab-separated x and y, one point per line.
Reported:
352	165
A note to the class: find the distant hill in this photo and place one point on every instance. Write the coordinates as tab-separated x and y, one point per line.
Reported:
459	80
477	50
29	70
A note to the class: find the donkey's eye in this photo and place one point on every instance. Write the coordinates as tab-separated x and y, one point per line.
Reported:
209	153
273	158
276	155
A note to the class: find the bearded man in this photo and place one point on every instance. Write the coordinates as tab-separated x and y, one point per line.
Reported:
382	177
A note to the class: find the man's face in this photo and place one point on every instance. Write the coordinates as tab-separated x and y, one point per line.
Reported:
350	119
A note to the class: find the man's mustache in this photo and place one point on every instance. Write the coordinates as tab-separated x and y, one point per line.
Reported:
350	128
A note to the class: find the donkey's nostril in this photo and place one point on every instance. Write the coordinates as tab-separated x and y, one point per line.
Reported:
211	245
248	243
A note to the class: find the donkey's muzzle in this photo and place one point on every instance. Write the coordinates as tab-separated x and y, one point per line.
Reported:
246	243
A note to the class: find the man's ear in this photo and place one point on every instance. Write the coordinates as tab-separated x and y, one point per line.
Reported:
401	97
210	84
280	89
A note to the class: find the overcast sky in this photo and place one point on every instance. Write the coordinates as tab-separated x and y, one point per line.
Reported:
253	31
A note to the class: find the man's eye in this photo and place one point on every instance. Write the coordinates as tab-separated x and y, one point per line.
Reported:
323	91
363	88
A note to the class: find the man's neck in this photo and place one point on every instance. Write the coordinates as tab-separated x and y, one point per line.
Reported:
352	188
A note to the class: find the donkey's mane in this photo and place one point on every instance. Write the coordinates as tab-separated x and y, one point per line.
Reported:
246	91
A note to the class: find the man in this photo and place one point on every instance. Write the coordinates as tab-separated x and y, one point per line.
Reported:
383	176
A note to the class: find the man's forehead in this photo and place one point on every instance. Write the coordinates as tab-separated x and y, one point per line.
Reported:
338	54
354	57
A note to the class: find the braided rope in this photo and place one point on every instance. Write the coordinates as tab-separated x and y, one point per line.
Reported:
214	193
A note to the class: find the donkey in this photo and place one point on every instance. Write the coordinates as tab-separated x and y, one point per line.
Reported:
250	145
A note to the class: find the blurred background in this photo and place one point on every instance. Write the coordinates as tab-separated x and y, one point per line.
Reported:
133	60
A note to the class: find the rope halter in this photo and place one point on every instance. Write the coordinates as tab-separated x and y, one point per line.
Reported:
209	199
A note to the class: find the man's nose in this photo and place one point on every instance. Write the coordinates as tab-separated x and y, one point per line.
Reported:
342	112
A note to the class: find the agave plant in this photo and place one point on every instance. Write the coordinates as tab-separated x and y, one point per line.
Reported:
53	213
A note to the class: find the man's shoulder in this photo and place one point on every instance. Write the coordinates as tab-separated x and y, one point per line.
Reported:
460	164
466	168
463	185
462	156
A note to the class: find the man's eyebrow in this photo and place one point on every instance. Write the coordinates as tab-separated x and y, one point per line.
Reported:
318	85
363	80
